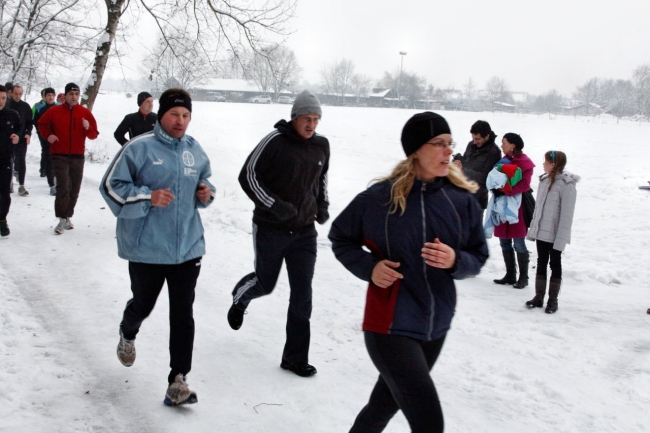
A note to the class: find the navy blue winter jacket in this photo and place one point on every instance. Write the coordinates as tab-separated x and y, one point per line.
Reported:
422	304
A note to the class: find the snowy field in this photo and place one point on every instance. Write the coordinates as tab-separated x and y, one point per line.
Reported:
503	368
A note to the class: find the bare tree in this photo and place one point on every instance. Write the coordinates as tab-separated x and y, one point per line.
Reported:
411	86
588	93
641	89
549	102
39	36
470	91
497	90
258	71
215	25
337	79
285	71
360	86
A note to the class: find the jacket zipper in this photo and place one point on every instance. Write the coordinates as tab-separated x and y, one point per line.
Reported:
424	265
71	129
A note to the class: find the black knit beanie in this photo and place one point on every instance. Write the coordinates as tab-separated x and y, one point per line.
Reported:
421	128
170	100
514	139
71	86
49	90
142	96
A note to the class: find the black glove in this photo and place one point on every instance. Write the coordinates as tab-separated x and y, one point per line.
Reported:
322	217
497	192
284	210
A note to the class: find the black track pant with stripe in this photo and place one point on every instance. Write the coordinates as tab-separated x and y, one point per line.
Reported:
298	250
147	281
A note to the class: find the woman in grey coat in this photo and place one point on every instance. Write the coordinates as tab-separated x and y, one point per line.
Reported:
551	226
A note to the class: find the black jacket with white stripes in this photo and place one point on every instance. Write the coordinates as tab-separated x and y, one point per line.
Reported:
286	177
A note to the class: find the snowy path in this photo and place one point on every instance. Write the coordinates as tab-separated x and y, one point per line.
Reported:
503	369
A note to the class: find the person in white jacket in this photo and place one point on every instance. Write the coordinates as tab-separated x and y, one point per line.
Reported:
551	226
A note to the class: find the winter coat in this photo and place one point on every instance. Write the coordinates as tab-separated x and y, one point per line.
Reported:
135	124
554	209
517	230
286	177
66	122
25	112
9	125
40	110
422	304
502	209
477	163
153	234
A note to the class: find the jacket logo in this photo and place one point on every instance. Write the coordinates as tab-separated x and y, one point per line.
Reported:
190	171
320	163
159	162
188	159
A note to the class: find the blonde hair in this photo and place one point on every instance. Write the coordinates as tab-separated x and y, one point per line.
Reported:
403	176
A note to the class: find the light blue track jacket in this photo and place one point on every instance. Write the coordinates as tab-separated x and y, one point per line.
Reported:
152	161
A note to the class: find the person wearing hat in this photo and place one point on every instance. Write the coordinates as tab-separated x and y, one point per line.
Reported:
46	157
10	127
154	186
410	235
66	127
512	145
286	177
25	134
138	123
60	98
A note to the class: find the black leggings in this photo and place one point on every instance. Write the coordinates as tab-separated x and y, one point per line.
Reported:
404	383
544	252
5	187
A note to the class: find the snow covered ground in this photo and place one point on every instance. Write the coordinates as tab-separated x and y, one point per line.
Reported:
503	368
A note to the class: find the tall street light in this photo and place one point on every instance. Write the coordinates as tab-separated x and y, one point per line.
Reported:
399	82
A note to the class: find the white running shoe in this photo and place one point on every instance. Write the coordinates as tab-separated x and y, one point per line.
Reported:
68	224
126	351
179	393
22	191
60	227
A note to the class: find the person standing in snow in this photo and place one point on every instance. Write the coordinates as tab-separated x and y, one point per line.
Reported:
286	177
25	134
512	145
137	123
10	127
66	127
410	235
551	226
46	156
480	156
155	186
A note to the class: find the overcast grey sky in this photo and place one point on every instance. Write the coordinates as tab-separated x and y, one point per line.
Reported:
535	45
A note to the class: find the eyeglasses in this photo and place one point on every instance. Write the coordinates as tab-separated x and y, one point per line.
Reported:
442	144
553	155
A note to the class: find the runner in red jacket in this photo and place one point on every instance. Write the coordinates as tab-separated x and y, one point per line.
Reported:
66	127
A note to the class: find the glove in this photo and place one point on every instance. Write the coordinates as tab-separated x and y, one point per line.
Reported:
284	210
322	217
497	192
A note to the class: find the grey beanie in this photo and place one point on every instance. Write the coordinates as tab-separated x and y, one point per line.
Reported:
306	103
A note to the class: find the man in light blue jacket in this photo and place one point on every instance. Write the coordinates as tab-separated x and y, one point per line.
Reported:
155	186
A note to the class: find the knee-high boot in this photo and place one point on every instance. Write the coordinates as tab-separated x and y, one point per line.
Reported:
511	268
522	259
540	291
553	292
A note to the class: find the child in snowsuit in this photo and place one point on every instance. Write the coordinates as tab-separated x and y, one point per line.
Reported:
551	226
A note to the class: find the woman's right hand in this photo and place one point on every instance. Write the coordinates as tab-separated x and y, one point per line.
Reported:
384	275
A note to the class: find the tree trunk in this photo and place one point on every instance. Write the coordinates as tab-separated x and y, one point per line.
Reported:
114	9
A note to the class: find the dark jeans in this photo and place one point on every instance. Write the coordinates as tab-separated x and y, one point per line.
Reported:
5	185
46	162
298	250
146	283
545	252
520	244
20	153
69	172
404	383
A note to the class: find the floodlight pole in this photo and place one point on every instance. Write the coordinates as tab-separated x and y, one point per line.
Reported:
399	81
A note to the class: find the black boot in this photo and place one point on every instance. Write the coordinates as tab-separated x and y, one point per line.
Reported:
540	291
522	259
511	268
553	292
4	229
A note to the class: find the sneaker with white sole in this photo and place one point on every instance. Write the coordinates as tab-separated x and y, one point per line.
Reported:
68	224
52	190
60	227
22	191
126	351
179	393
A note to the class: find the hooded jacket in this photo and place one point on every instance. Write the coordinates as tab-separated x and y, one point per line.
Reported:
554	210
286	177
152	161
517	230
25	112
9	125
66	122
477	163
422	304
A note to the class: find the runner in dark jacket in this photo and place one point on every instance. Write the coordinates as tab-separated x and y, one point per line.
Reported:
422	228
46	156
20	150
286	177
137	123
9	127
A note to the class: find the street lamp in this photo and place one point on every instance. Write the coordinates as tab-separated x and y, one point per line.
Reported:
399	81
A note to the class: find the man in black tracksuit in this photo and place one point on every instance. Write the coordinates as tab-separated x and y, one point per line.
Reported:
480	157
10	126
139	122
286	177
46	157
24	135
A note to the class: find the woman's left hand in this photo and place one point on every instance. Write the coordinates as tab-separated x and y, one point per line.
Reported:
439	255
